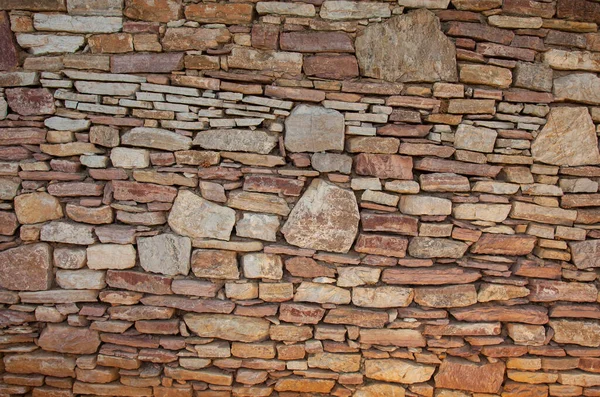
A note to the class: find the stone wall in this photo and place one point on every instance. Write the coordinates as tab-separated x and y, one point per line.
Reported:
299	198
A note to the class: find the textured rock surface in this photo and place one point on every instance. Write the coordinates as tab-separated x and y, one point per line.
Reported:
314	129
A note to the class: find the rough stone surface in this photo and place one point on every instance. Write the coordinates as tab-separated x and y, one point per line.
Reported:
166	254
26	268
398	371
325	218
424	53
465	375
37	207
228	327
314	129
65	339
30	101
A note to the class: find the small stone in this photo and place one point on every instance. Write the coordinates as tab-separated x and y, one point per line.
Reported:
100	8
65	339
425	205
195	217
219	13
427	247
326	130
332	226
502	244
335	362
353	276
123	157
110	256
166	254
26	268
115	43
381	56
104	136
321	293
18	79
262	266
258	226
290	9
465	375
315	41
332	162
237	140
379	389
138	281
153	10
228	327
300	313
68	233
37	207
398	371
304	385
503	292
80	279
477	139
258	202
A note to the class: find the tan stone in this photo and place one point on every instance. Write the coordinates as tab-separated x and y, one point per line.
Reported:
228	327
111	256
321	293
392	337
398	371
486	75
382	297
65	339
465	375
446	296
579	332
37	207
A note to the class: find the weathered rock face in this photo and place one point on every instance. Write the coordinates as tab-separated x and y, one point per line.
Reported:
585	333
314	129
30	101
26	268
325	218
166	254
568	138
423	54
228	327
8	49
37	207
65	339
195	217
465	375
398	371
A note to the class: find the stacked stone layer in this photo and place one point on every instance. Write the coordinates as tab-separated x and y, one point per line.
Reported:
299	198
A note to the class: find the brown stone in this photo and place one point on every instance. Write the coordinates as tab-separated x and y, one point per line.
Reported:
40	362
110	389
395	223
265	36
146	63
138	281
586	254
8	223
466	375
66	339
449	296
226	13
399	371
329	66
579	332
359	317
480	31
26	268
299	313
228	327
316	42
30	101
143	192
437	275
215	264
183	39
392	337
504	244
19	136
8	48
307	267
153	10
441	165
304	385
523	314
376	244
384	165
37	207
550	290
115	43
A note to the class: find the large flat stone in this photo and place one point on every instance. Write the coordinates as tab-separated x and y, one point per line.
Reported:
167	254
8	49
423	54
76	24
314	129
568	138
40	362
325	218
26	268
578	87
465	375
237	140
65	339
156	138
228	327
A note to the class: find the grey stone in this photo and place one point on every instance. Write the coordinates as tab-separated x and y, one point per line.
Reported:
166	254
426	247
258	226
578	87
237	140
258	265
314	129
68	233
39	44
533	76
76	24
156	138
332	162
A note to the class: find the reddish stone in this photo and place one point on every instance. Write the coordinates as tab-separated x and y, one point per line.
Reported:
110	389
33	5
13	317
26	268
40	362
295	94
474	377
137	281
502	51
384	165
265	36
160	327
13	153
306	267
226	13
359	317
8	223
433	164
529	7
522	314
528	268
550	291
528	96
143	192
300	313
394	223
273	184
62	338
479	31
575	311
147	63
8	49
331	67
190	305
316	42
578	10
226	173
436	275
143	341
75	189
580	200
22	136
107	174
504	244
377	244
153	10
403	130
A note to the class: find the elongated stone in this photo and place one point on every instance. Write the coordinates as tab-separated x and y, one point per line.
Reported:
433	275
67	232
40	362
156	138
427	247
65	339
578	87
237	140
49	44
585	333
398	371
228	327
342	10
227	13
501	244
76	24
156	11
253	59
146	63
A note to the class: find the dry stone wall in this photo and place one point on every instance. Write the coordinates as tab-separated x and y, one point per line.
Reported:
342	198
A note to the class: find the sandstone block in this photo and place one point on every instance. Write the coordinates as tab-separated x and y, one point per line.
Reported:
167	254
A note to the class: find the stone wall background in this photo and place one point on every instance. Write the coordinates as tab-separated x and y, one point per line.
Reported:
299	198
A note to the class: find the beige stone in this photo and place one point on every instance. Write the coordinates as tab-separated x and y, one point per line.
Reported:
37	207
398	371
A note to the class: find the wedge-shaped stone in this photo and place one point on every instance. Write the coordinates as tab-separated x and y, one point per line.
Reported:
398	371
167	254
274	61
568	138
521	314
340	10
437	275
40	362
37	207
538	213
26	268
325	218
504	244
584	333
381	56
449	296
482	212
237	140
314	129
66	339
392	337
321	293
427	247
228	327
195	217
68	233
138	281
585	254
258	202
382	297
335	362
465	375
156	138
76	24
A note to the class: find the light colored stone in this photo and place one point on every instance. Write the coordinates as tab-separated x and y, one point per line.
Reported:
500	292
542	214
124	157
332	162
215	264
427	247
156	138
76	24
425	205
341	10
511	22
585	254
237	140
398	371
465	375
260	265
68	233
195	217
81	279
424	53
477	139
572	60
69	258
314	129
228	327
578	87
105	8
258	202
482	212
325	218
274	61
37	207
290	9
446	296
3	108
382	297
321	293
493	76
568	138
579	332
65	124
353	276
335	362
258	226
379	390
40	44
166	254
111	256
